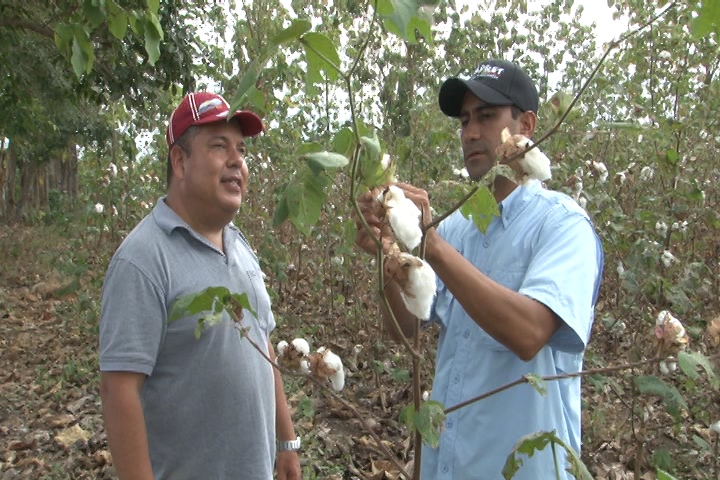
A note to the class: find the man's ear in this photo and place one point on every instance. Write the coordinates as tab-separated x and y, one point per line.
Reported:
528	121
177	157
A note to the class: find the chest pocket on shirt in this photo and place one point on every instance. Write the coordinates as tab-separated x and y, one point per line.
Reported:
258	296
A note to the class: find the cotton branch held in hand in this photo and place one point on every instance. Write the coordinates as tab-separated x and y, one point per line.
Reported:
414	276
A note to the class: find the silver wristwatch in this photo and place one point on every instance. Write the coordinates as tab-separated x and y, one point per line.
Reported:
289	446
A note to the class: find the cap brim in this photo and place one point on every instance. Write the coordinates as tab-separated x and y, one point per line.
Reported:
453	92
250	124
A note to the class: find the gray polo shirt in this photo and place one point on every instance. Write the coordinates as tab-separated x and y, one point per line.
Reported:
209	403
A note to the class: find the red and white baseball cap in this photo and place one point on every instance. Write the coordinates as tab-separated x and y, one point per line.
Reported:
200	108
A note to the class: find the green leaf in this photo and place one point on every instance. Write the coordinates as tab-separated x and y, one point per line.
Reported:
153	6
537	383
690	361
481	208
671	156
154	24
93	14
400	375
308	147
117	24
248	82
305	199
243	300
707	20
321	56
372	145
407	416
82	54
344	141
534	442
403	18
63	37
325	160
281	211
652	385
429	421
297	28
195	303
663	475
152	43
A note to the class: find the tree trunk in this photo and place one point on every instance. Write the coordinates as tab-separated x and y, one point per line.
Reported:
3	180
7	184
69	176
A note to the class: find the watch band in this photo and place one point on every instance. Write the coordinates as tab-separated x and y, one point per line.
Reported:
289	445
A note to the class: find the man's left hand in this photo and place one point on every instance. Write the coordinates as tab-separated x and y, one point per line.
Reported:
288	466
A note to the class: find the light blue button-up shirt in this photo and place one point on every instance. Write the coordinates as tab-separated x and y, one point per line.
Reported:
543	246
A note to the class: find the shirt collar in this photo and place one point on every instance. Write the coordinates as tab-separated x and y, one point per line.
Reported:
168	220
514	204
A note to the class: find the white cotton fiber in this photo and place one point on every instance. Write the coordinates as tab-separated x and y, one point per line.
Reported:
419	292
404	216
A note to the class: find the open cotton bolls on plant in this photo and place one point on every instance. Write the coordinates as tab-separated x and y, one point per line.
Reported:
534	164
417	282
404	216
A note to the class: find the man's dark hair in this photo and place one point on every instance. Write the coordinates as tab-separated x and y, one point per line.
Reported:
185	144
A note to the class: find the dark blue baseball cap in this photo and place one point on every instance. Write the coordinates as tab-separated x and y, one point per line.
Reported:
496	82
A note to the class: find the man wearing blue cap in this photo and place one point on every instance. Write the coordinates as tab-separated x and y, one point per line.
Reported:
514	300
177	407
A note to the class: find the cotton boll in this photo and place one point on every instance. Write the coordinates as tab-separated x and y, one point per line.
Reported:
301	345
601	170
582	201
281	346
534	163
664	368
715	427
333	362
661	228
646	173
99	208
404	216
425	396
667	258
337	380
305	367
419	291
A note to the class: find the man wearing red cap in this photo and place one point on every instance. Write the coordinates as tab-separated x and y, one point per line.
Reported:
177	407
515	299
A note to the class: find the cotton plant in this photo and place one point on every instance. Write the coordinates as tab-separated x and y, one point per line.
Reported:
597	169
400	219
533	165
670	338
322	364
